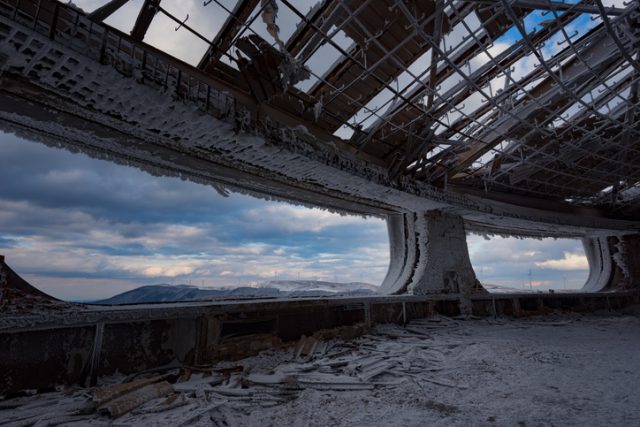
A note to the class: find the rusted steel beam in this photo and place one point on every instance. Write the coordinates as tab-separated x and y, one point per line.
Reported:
580	78
502	62
230	29
572	163
566	135
437	36
552	96
527	201
305	39
380	59
103	12
630	119
403	113
546	93
143	22
375	79
555	6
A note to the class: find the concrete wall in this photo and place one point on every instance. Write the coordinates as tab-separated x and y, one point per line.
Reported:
42	356
614	263
429	254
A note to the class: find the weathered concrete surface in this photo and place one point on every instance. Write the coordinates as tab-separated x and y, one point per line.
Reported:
596	249
429	255
445	265
173	119
10	280
564	370
614	263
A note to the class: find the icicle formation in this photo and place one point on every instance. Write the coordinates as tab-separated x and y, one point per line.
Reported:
317	109
291	70
620	257
269	15
220	189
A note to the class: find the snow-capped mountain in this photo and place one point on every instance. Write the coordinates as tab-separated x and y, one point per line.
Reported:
272	289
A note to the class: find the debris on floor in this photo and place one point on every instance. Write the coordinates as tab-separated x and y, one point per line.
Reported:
437	371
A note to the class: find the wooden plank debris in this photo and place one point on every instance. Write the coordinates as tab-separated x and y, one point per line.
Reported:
227	392
105	394
117	407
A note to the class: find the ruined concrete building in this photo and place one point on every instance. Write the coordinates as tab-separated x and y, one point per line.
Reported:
504	117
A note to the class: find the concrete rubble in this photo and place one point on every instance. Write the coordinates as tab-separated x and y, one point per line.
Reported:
438	370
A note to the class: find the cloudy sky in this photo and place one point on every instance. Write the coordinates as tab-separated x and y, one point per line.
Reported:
84	229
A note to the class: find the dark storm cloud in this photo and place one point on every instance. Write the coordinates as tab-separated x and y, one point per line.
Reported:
97	187
67	215
7	242
60	194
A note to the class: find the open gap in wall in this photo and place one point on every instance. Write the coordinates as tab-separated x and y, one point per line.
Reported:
510	264
83	229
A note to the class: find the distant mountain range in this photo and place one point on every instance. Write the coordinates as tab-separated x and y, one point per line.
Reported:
273	289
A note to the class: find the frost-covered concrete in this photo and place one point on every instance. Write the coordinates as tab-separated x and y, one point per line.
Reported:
171	119
596	249
569	370
429	254
447	267
614	263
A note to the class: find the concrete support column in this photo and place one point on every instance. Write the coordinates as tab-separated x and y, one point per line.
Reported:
429	255
614	263
403	241
600	263
11	280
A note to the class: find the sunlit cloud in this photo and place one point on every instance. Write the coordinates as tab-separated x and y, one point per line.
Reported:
66	216
540	283
570	261
525	263
157	266
293	219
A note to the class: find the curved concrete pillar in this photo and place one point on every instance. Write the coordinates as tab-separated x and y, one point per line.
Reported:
397	253
9	279
614	263
404	256
429	254
597	251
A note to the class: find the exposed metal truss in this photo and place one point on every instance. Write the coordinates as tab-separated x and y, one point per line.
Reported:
531	102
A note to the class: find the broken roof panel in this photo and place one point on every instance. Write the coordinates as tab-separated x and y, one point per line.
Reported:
531	98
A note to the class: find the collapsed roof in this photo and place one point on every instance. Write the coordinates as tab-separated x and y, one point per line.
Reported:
531	102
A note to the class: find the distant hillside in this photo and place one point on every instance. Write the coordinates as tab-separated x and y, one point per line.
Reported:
273	289
317	285
499	289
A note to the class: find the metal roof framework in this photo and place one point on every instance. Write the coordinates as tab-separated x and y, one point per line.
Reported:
532	102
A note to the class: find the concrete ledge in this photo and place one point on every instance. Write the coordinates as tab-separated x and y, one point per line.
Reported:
103	340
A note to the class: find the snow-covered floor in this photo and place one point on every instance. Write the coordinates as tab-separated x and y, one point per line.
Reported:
562	370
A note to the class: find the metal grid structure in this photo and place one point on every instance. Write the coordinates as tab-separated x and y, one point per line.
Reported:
531	102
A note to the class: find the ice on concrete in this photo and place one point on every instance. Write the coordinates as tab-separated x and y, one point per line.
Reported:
144	102
429	255
569	370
